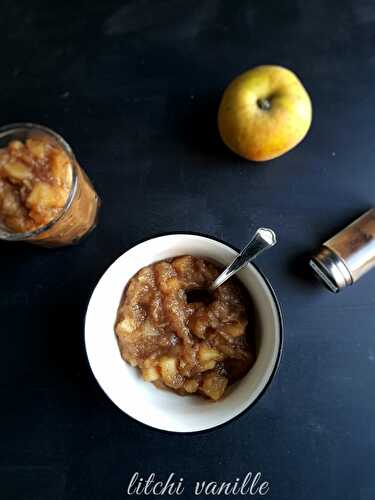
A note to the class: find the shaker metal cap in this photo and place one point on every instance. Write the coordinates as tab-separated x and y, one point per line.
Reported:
331	270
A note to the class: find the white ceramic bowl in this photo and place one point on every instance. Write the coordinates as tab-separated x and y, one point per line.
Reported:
123	384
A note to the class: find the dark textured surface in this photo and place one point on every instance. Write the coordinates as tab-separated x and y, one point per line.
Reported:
134	87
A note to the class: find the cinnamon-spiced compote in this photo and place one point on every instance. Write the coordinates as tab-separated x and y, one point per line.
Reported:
35	181
189	348
45	196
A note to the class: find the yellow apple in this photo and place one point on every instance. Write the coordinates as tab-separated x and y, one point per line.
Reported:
264	113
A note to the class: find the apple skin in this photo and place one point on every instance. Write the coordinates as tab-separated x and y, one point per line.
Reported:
264	113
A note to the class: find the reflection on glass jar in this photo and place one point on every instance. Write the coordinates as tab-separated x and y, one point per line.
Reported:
45	196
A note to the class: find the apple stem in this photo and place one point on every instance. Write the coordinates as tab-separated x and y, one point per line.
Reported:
264	104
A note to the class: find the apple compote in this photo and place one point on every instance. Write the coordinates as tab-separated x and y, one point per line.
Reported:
45	197
187	347
35	181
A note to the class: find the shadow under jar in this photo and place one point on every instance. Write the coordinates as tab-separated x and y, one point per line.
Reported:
45	196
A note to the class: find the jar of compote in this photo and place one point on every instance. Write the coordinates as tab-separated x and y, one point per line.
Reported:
45	196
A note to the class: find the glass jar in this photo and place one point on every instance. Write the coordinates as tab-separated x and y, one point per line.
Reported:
79	214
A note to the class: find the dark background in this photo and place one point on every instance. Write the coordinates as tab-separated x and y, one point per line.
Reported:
134	87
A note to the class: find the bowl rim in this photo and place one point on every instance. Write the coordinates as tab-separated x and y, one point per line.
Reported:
280	319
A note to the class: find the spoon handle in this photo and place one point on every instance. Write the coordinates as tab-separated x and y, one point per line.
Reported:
263	239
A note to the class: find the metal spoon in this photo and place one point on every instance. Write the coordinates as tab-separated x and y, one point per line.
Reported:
263	239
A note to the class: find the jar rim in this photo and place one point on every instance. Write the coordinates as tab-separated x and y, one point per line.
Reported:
28	126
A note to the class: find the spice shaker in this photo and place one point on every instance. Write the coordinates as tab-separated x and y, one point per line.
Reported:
348	255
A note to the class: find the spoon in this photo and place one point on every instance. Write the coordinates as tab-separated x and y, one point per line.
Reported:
263	239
